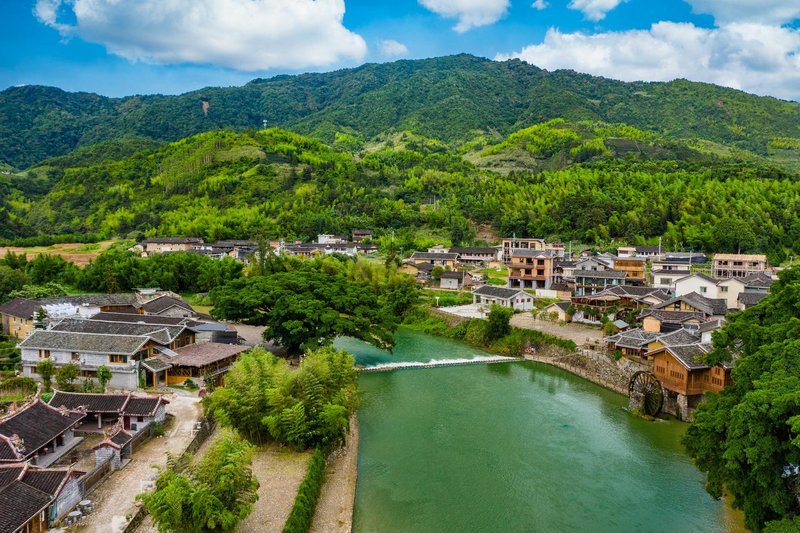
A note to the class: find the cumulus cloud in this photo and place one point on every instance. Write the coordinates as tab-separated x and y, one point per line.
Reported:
754	57
762	11
246	35
539	5
392	48
470	13
594	9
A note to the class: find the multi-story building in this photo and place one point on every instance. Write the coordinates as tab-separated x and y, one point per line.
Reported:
476	255
510	244
738	265
664	273
588	282
531	269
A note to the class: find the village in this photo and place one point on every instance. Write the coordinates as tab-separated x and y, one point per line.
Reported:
155	356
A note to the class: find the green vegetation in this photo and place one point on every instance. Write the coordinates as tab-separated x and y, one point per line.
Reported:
498	322
305	502
214	494
309	407
277	184
46	369
477	332
463	95
745	437
308	303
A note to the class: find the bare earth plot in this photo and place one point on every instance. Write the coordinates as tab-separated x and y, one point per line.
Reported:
578	333
334	513
279	471
78	253
115	497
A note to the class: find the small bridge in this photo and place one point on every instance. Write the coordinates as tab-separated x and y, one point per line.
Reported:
401	365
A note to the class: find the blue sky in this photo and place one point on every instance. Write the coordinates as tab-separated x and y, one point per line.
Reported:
153	46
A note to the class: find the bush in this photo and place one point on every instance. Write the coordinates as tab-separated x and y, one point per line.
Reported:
305	503
499	322
476	332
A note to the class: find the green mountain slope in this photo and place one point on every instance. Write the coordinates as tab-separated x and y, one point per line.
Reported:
591	182
448	98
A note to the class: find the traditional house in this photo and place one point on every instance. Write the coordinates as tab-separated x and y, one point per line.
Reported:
122	354
558	311
634	267
508	245
202	363
588	282
33	498
696	303
738	265
38	433
360	235
168	306
663	321
455	280
616	301
633	343
664	273
436	259
476	255
488	295
420	271
115	447
105	410
160	245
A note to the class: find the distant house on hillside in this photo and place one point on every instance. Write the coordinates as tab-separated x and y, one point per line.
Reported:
161	245
489	295
455	280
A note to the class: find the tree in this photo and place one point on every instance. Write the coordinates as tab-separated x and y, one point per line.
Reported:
309	407
103	376
66	376
436	273
305	308
46	368
745	437
213	494
40	319
499	322
11	280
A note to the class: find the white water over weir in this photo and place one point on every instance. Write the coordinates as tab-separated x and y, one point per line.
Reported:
433	363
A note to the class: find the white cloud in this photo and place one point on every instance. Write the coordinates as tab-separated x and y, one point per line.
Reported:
539	5
594	10
470	13
763	11
757	58
244	35
392	48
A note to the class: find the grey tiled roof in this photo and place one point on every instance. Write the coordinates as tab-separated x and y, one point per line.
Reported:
154	364
709	306
159	333
37	424
162	303
497	292
172	240
759	280
19	503
749	299
523	252
136	318
94	403
473	251
680	337
439	256
690	355
613	274
634	338
84	342
20	307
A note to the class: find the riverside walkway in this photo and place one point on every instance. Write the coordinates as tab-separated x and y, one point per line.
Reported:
402	365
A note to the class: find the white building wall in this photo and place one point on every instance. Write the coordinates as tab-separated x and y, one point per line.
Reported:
695	284
70	496
731	296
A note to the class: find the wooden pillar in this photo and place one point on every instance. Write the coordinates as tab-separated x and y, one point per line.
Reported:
166	377
155	380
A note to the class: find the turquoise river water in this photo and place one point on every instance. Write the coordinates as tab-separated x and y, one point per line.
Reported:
513	447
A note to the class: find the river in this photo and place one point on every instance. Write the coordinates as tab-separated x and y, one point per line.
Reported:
514	447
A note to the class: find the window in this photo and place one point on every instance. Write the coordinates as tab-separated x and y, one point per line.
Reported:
723	289
703	290
140	419
117	359
75	356
44	354
666	281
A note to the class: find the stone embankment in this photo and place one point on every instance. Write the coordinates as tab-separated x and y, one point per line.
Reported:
592	365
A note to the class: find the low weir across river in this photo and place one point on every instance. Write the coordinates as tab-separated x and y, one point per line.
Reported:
400	365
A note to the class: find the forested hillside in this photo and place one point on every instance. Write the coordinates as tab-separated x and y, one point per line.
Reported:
584	181
448	98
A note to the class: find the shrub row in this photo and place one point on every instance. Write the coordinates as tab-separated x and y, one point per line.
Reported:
305	502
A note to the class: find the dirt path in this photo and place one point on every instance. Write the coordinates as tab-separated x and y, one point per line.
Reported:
279	472
115	497
334	513
578	333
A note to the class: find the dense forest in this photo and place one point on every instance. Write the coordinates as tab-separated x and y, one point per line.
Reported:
449	98
584	181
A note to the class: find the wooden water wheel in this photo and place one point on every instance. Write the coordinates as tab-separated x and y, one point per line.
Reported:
645	394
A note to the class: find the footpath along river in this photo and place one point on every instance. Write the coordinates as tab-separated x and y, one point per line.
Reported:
514	447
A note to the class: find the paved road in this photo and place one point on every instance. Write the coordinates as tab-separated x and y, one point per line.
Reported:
115	497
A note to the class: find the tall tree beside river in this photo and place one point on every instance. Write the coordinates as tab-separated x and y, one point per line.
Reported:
746	437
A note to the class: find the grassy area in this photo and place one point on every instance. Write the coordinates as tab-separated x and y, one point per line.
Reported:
495	276
446	298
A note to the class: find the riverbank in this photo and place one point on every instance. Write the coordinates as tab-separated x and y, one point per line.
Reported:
334	512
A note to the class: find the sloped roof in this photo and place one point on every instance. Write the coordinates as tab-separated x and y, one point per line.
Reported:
477	251
704	277
154	364
143	405
455	275
709	306
19	503
159	333
434	255
617	274
740	257
96	403
202	354
679	337
20	308
633	338
36	423
690	355
497	292
760	280
136	318
674	317
560	287
84	342
162	303
172	240
749	299
525	252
